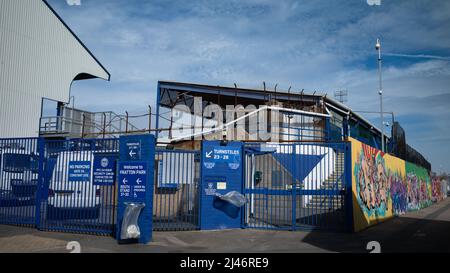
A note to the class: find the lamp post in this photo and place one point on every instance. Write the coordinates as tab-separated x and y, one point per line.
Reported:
380	92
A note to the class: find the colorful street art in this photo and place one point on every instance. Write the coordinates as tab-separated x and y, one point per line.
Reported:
384	186
372	184
419	187
436	190
398	194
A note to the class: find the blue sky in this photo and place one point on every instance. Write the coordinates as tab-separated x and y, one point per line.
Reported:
313	44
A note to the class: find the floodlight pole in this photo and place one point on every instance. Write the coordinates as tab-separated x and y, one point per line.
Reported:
380	92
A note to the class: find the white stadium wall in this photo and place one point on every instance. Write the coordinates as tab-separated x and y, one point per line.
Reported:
40	57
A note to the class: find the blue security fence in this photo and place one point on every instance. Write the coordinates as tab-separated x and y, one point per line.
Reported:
78	190
176	190
61	185
71	185
297	186
19	172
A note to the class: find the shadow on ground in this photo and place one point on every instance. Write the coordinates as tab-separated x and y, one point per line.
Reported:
400	234
422	231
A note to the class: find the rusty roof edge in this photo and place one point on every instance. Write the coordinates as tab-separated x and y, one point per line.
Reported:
239	88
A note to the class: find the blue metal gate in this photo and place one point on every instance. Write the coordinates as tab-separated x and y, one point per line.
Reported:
296	186
70	185
176	190
78	186
19	171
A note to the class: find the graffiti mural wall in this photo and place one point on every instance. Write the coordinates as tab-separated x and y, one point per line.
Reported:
419	187
384	186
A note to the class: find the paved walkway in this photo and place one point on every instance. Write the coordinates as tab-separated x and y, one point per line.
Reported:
422	231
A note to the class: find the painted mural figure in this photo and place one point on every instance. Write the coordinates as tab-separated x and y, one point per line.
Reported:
398	194
413	198
372	180
436	192
383	186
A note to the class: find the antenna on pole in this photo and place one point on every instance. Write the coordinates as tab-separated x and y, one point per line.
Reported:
341	96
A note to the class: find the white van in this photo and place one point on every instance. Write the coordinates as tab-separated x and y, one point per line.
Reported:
69	197
18	177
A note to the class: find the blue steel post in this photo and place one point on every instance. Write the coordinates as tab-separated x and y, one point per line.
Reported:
158	101
348	187
242	179
41	182
294	187
200	187
327	129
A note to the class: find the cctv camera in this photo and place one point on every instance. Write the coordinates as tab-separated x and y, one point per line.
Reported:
378	44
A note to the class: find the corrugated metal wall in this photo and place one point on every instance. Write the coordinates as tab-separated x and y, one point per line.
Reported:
39	58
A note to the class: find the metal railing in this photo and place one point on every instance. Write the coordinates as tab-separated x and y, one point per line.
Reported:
90	125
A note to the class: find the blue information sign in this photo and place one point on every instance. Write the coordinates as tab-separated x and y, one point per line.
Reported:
79	171
104	170
132	179
133	150
222	154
